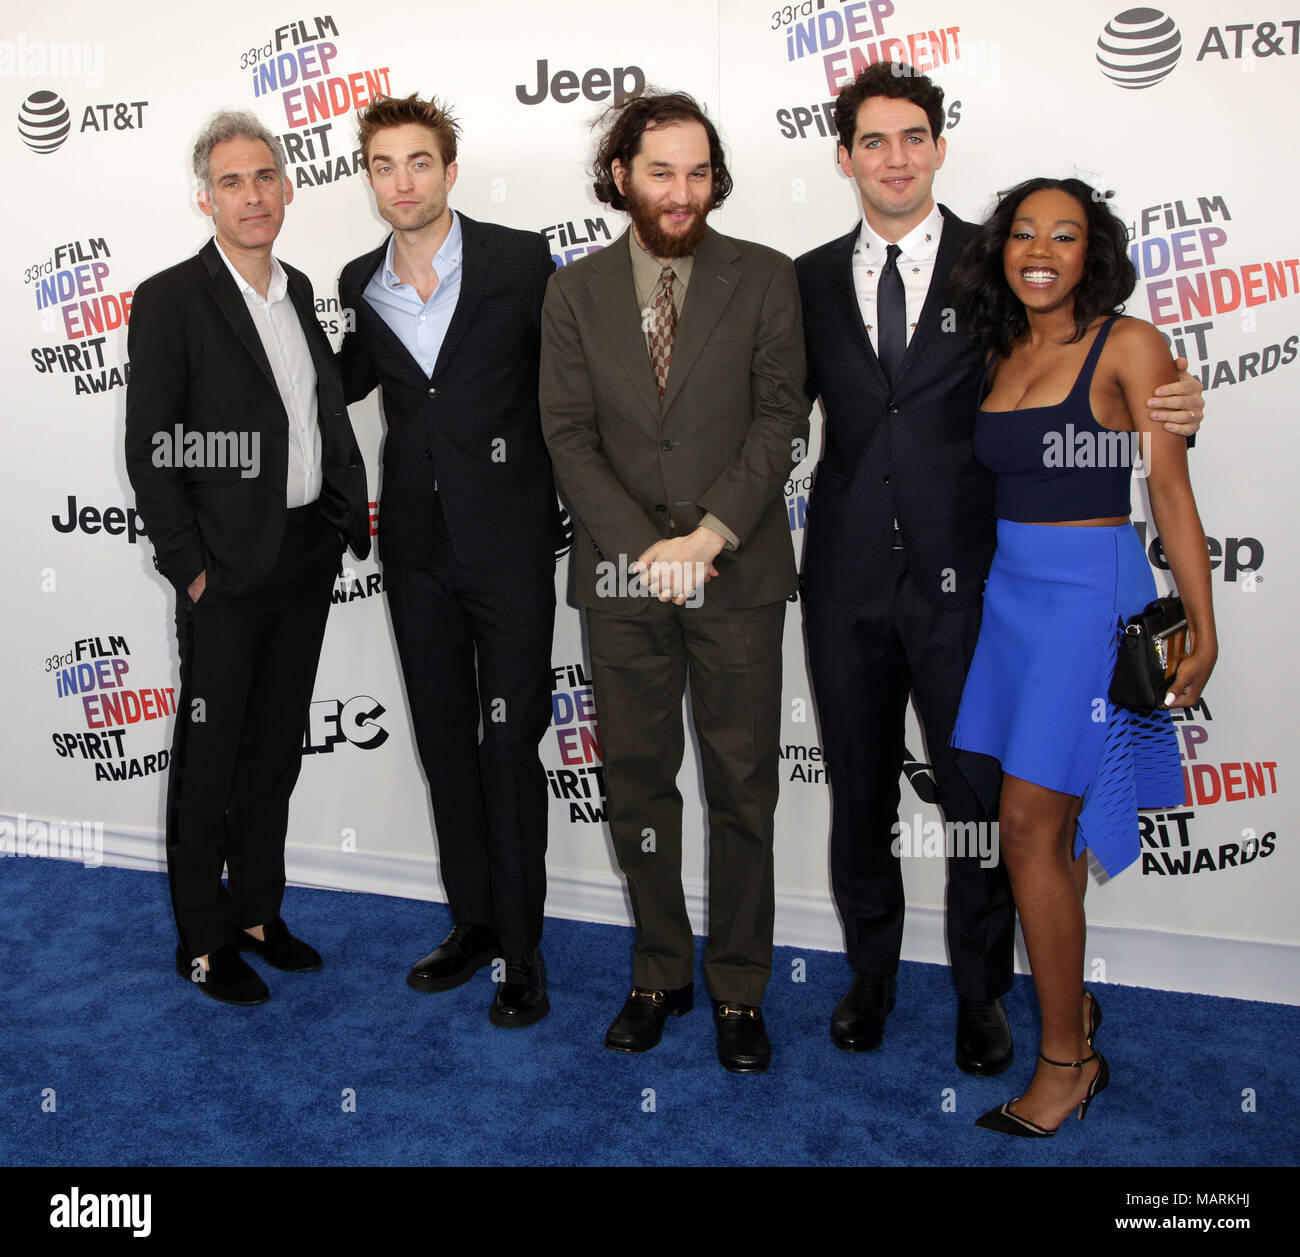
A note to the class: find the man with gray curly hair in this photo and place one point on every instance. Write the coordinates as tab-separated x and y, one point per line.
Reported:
249	480
233	124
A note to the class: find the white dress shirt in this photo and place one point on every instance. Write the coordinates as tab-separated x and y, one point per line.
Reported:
915	265
285	342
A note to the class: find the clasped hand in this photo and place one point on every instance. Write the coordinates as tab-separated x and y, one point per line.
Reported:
676	567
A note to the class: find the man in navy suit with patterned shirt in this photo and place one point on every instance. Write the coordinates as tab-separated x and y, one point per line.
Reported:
900	536
447	323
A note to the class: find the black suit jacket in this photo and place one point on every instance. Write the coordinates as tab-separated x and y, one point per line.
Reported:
197	361
903	452
472	429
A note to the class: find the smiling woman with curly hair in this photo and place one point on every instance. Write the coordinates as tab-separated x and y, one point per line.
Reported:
1061	420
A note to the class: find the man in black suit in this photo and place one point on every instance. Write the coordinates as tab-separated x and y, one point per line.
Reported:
249	481
900	537
447	317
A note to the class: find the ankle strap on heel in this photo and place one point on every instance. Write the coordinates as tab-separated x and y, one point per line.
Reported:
1068	1064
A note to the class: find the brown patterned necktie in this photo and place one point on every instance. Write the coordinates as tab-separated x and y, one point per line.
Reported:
662	328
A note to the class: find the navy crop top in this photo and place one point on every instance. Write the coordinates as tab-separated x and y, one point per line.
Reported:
1057	462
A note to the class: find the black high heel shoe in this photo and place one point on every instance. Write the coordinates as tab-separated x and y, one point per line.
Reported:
1094	1017
1005	1122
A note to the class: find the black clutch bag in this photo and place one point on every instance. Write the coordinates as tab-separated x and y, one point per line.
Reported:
1152	647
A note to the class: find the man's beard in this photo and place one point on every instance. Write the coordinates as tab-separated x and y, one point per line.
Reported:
657	241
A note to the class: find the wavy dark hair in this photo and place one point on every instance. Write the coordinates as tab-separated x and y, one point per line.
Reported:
893	79
622	127
978	288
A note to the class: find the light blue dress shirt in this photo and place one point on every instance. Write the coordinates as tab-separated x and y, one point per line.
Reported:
420	325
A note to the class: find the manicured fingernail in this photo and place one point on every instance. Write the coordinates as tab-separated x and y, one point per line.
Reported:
1169	699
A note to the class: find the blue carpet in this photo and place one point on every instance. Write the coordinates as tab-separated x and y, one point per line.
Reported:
145	1071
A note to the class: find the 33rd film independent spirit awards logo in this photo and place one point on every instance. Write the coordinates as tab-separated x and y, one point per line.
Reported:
579	779
106	717
1193	294
84	312
1170	846
1181	250
1141	47
843	39
300	79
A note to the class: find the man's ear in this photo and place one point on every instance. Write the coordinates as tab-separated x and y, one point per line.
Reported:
288	189
205	202
619	171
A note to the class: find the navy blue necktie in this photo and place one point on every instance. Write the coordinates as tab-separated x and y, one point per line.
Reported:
891	316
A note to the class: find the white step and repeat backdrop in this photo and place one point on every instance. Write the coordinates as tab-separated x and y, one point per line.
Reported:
1187	122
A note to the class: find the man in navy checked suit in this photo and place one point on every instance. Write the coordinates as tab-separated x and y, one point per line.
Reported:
900	536
447	322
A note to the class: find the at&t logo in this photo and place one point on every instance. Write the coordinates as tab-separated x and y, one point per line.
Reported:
44	121
1138	48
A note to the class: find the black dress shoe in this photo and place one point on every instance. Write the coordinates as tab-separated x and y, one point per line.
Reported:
521	998
858	1022
280	948
456	959
640	1024
227	977
743	1046
983	1037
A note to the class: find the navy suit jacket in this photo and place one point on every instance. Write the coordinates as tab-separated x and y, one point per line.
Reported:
903	452
472	431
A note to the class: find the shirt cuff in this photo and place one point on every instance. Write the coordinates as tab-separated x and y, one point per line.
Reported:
710	520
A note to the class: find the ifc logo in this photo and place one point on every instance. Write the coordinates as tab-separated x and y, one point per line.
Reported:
44	122
1138	48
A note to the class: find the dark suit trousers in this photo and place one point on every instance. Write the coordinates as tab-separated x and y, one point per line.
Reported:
475	646
247	669
639	668
865	660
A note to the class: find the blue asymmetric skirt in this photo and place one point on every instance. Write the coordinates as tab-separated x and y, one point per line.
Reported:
1036	697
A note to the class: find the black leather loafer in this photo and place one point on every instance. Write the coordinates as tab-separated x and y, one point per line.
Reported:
521	998
280	948
227	977
743	1045
640	1024
984	1043
456	959
858	1022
